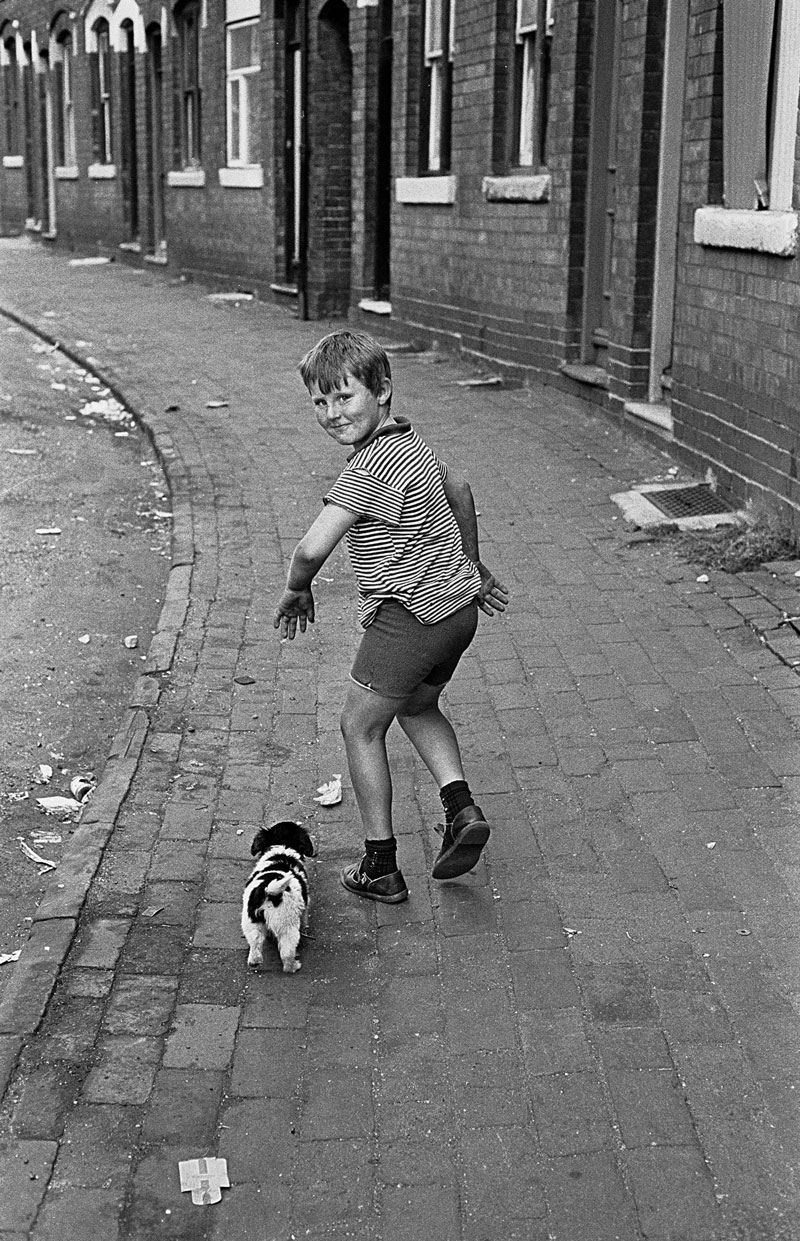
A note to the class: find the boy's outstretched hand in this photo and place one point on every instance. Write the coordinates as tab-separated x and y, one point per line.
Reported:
295	607
493	595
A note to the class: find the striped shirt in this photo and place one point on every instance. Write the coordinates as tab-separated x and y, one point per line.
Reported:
407	545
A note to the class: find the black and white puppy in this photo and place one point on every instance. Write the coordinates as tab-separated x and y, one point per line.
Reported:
275	899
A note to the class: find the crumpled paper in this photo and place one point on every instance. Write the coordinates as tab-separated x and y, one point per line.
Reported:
330	794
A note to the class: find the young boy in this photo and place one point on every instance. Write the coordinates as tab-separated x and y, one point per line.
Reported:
412	535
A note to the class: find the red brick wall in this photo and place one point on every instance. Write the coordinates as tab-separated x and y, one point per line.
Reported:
736	366
489	277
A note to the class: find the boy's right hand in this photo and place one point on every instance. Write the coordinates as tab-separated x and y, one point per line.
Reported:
493	595
294	607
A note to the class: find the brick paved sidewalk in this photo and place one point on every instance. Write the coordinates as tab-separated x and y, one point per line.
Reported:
595	1036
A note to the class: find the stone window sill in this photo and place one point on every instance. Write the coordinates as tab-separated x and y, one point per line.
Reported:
427	191
250	177
66	172
102	172
521	188
13	161
766	232
187	178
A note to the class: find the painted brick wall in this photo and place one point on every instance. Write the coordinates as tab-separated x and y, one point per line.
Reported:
736	365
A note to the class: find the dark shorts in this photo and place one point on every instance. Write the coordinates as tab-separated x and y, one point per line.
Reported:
399	653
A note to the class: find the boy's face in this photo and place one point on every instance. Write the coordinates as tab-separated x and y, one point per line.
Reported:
350	413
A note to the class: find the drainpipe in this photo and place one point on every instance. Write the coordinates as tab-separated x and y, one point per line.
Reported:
302	280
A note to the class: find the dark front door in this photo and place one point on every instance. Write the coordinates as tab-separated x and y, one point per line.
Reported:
383	186
128	153
155	242
601	194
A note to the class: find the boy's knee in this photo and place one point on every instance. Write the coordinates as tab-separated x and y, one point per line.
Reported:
355	725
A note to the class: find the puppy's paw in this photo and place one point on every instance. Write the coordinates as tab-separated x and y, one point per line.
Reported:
255	960
291	967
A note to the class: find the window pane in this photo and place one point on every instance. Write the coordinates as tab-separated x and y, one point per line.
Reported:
235	120
243	47
526	15
433	28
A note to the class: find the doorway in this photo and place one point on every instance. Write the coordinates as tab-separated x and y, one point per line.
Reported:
129	172
383	179
601	188
155	239
294	196
328	274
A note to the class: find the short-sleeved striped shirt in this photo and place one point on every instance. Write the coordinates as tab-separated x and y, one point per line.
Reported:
407	545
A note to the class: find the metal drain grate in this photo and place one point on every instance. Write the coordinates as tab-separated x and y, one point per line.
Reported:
697	501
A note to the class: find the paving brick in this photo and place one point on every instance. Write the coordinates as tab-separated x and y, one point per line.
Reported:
267	1063
587	1198
26	1170
270	1004
650	1107
202	1037
419	1210
141	1004
70	1212
339	1177
543	981
617	993
47	1092
183	1103
673	1190
570	1112
124	1072
150	946
215	976
259	1139
245	1208
482	1019
504	1179
156	1206
555	1041
97	1148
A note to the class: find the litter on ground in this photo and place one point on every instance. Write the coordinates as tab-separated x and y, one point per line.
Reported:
58	805
36	857
330	794
206	1178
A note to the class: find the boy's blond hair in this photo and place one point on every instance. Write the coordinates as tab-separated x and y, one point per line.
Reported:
346	353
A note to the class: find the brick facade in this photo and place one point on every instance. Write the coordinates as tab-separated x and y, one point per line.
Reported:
509	277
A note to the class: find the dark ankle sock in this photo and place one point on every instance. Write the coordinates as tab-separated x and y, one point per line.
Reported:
455	796
380	857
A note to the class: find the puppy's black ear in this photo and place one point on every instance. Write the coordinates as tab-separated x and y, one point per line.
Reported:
260	842
307	845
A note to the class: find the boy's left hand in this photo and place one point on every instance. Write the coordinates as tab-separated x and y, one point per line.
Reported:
295	607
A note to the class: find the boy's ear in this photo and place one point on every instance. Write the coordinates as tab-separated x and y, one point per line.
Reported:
385	393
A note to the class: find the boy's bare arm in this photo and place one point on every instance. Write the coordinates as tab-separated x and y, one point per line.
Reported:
296	604
493	596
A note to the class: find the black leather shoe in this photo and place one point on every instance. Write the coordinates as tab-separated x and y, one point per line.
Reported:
463	842
388	889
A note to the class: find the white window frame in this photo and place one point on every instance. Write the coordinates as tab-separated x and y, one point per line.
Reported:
239	82
769	226
102	37
437	61
62	53
525	36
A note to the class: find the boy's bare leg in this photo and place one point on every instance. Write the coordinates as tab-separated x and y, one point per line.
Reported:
431	734
365	721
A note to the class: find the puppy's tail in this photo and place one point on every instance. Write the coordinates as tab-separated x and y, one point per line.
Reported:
277	886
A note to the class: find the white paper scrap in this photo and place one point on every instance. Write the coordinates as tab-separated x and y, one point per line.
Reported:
206	1178
330	794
